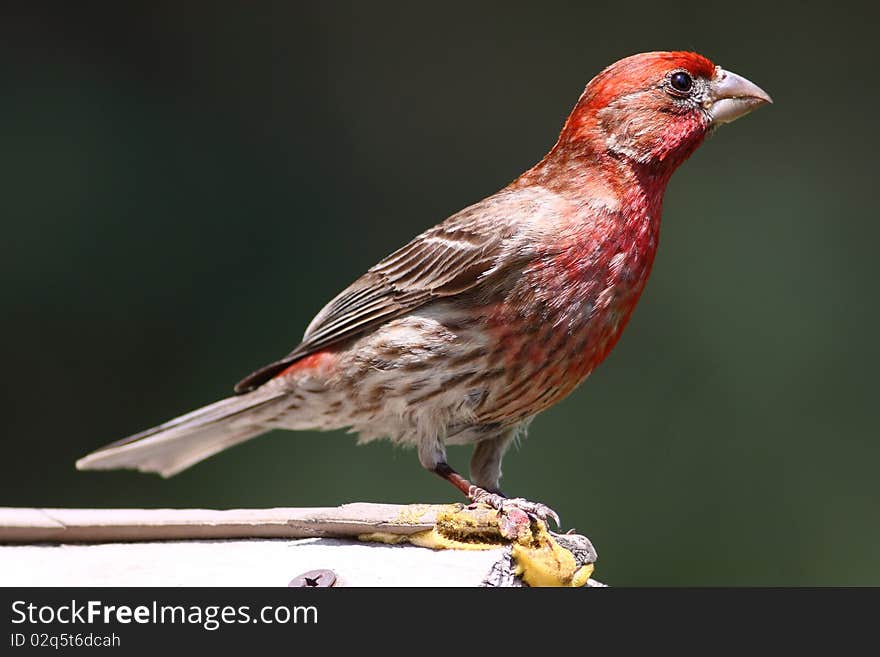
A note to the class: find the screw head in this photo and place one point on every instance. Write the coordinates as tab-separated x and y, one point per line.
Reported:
322	578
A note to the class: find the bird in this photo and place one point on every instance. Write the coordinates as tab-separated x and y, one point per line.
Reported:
467	332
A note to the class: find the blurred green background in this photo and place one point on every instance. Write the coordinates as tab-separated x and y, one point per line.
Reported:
185	186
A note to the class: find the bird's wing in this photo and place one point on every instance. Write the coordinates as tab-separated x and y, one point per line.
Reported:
446	260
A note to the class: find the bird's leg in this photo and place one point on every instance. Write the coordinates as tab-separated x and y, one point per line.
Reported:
496	500
486	461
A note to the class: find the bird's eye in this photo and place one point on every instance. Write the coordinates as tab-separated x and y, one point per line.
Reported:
681	82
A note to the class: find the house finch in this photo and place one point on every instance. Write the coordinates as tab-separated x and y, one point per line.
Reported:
490	317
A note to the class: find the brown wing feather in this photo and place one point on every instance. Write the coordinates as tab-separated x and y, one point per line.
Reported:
444	261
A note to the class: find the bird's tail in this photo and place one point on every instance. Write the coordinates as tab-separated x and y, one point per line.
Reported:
188	439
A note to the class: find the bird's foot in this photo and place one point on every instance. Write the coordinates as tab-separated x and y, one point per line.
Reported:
514	514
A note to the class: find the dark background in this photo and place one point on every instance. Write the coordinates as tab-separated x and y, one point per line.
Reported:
184	186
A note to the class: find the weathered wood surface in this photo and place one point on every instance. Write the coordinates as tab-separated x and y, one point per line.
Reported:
242	562
240	547
31	525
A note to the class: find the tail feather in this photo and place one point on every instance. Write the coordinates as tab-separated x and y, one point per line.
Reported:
184	441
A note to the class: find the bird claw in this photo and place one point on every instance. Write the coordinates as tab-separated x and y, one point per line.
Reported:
541	511
515	513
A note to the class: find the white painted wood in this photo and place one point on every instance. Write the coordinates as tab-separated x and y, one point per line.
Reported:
246	562
237	547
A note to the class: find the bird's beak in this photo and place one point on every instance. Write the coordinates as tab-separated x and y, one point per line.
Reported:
731	96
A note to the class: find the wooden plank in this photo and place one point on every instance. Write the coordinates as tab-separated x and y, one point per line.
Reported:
254	562
30	525
253	547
